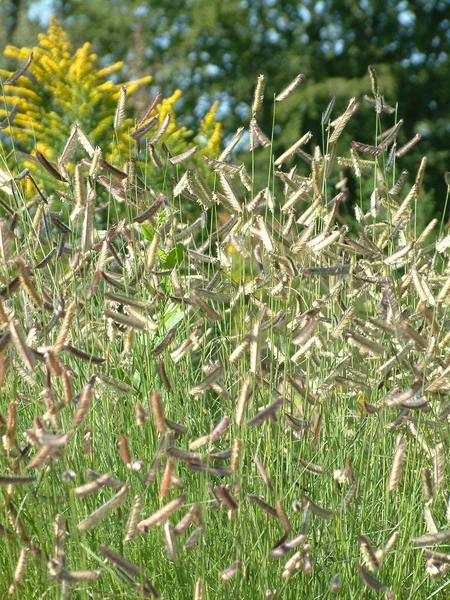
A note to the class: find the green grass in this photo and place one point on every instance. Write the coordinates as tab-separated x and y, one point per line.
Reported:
334	426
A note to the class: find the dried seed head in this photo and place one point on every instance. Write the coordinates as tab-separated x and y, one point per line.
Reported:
19	340
340	123
293	149
227	499
124	450
193	538
128	567
161	131
27	284
161	515
282	516
176	160
120	110
170	542
327	114
86	445
21	565
429	519
257	136
167	478
427	481
322	513
439	465
141	414
156	461
262	472
11	422
158	411
290	88
92	486
267	412
98	515
398	462
293	565
133	519
231	571
219	429
198	592
373	80
368	553
369	581
41	458
407	147
238	352
390	543
419	176
431	539
259	95
163	375
213	376
20	71
85	402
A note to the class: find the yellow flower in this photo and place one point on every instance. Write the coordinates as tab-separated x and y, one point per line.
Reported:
213	148
63	86
211	132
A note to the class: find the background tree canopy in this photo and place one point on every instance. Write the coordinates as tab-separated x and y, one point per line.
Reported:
215	49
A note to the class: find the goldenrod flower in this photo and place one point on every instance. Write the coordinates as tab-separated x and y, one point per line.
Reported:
62	86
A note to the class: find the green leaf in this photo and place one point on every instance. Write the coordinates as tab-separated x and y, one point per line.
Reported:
172	317
148	232
136	380
174	258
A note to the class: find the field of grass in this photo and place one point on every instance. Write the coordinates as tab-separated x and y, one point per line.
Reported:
248	404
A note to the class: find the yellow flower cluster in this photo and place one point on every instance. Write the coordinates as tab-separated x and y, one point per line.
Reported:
211	131
209	135
176	135
63	86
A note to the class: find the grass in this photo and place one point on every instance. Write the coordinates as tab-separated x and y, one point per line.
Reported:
332	325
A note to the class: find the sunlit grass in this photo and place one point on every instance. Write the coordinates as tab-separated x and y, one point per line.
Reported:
310	298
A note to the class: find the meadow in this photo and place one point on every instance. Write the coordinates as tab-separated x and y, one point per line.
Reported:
214	390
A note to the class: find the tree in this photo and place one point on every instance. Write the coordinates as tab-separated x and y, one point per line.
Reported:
15	22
